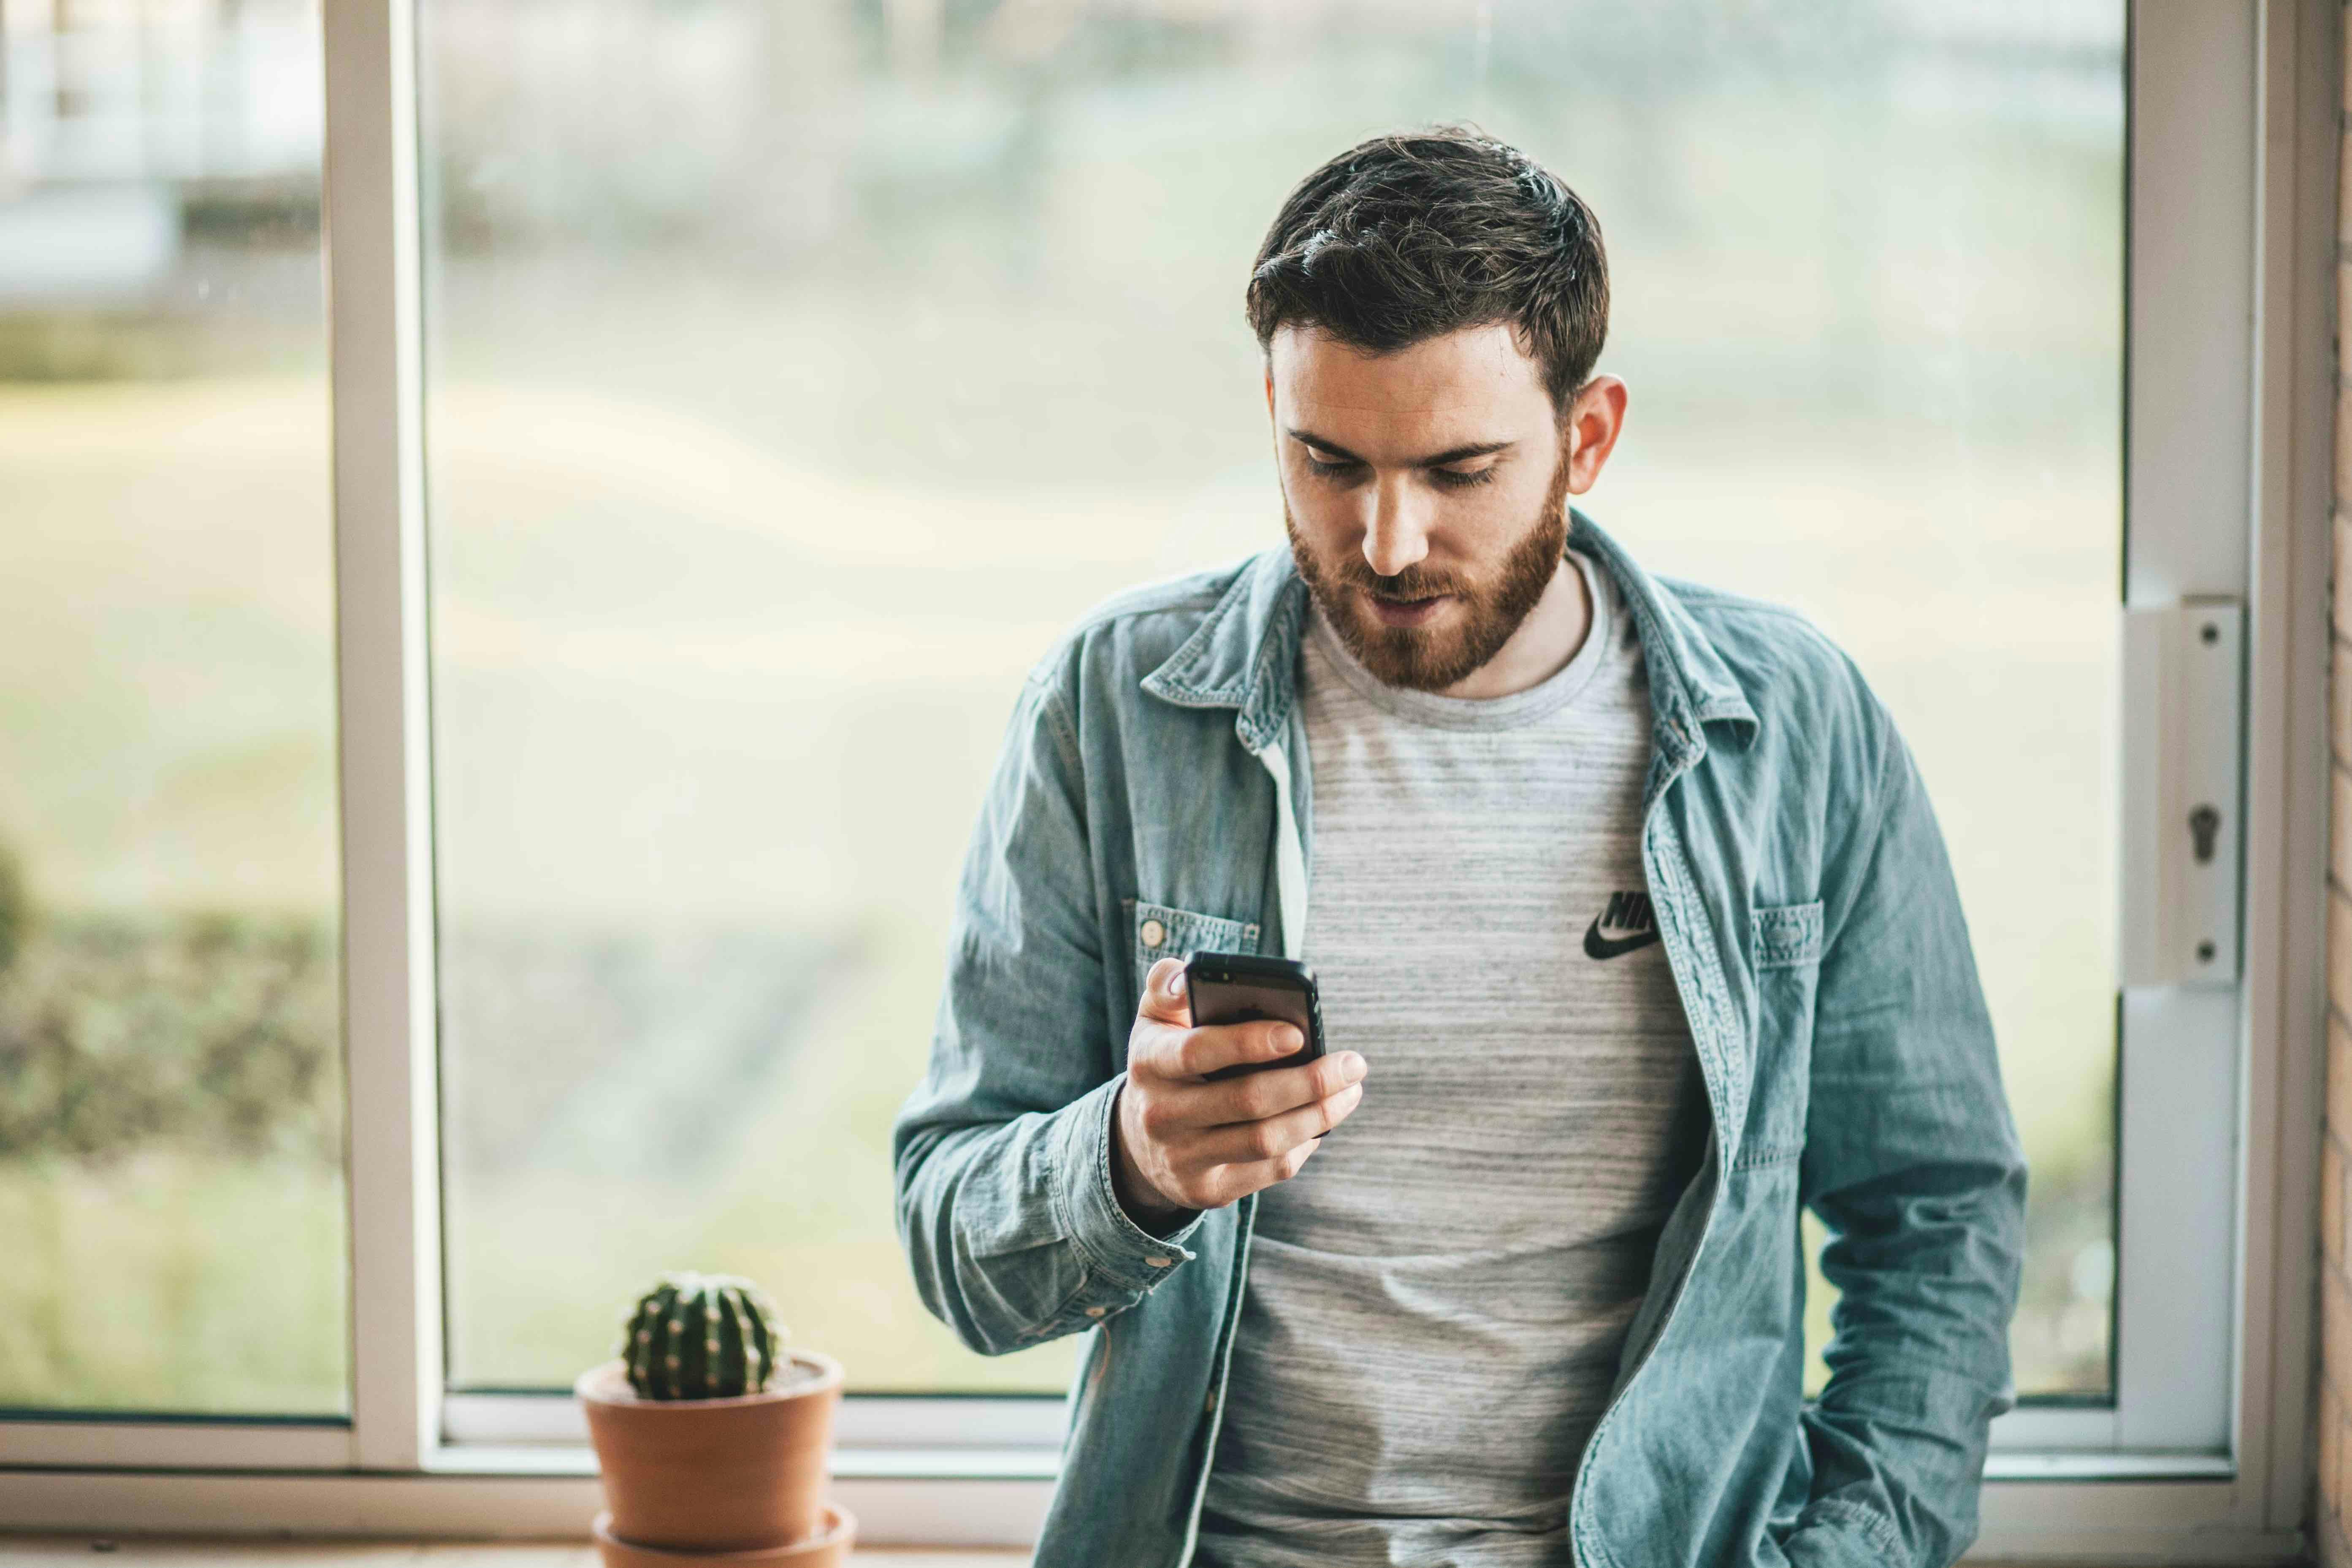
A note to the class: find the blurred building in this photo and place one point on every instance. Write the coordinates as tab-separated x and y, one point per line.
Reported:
125	123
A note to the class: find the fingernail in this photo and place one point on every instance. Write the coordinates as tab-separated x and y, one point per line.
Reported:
1289	1038
1176	983
1352	1066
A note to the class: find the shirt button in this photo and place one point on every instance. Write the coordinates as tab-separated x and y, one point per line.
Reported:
1154	933
1096	1312
1159	1262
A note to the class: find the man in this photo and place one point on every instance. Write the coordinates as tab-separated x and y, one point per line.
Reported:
1636	935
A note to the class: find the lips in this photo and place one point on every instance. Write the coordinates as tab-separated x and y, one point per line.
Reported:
1407	612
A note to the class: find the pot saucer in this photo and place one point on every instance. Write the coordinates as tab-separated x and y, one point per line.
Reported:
828	1548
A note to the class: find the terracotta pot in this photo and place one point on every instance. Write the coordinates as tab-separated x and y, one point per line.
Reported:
826	1549
746	1474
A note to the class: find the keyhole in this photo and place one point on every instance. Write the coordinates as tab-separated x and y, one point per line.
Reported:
2204	824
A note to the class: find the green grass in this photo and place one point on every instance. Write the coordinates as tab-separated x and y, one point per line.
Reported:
175	1282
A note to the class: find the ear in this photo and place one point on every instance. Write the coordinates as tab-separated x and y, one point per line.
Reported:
1595	419
1269	389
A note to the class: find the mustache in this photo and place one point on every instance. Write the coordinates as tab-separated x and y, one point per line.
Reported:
1403	588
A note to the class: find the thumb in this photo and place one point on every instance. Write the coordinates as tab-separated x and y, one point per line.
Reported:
1163	995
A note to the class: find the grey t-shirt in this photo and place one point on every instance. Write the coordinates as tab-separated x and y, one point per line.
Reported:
1436	1302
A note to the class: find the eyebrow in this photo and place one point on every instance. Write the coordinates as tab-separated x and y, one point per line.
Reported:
1462	454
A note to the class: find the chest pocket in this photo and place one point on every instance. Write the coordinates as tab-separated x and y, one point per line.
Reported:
1163	930
1788	948
1788	935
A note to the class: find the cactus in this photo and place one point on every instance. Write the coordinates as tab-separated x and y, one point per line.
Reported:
702	1336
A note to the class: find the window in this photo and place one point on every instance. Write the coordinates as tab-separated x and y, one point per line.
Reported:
731	402
764	468
171	1085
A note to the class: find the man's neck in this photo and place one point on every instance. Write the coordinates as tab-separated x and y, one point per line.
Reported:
1550	635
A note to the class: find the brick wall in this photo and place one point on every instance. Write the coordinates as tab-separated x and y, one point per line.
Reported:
2334	1524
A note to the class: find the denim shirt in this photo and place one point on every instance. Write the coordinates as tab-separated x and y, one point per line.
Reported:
1153	798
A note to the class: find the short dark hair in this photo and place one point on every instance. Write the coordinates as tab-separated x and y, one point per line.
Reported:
1405	237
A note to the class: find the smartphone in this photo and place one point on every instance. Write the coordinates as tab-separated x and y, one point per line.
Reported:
1243	987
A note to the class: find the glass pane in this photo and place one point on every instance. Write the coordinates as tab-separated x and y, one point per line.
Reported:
798	371
171	1076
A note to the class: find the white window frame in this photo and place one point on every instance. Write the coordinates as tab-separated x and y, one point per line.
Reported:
2206	1455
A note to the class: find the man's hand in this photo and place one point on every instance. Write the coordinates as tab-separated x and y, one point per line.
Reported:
1179	1143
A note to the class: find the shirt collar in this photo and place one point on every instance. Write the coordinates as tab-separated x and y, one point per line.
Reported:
1244	654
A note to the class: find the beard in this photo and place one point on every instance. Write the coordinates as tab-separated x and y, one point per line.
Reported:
1421	658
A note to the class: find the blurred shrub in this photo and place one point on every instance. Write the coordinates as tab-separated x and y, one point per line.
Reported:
211	1033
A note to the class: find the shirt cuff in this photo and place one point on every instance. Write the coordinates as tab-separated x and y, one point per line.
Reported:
1831	1535
1101	1229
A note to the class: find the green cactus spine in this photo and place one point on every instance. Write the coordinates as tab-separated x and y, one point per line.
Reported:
702	1336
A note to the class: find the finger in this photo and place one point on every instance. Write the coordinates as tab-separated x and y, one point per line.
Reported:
1338	1108
1277	1090
1231	1184
1214	1046
1163	995
1253	1143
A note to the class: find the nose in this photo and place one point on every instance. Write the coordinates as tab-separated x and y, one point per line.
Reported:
1398	534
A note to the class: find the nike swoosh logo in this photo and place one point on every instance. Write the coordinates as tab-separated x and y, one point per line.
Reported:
1599	946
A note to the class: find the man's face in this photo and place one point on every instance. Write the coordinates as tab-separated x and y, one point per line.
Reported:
1424	494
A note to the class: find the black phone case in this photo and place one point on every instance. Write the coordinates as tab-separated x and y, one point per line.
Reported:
1241	987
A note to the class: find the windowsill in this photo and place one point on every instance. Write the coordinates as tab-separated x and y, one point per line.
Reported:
2082	1508
974	1464
1009	1464
90	1552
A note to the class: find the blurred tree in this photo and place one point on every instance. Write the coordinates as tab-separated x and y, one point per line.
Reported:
14	902
214	1032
